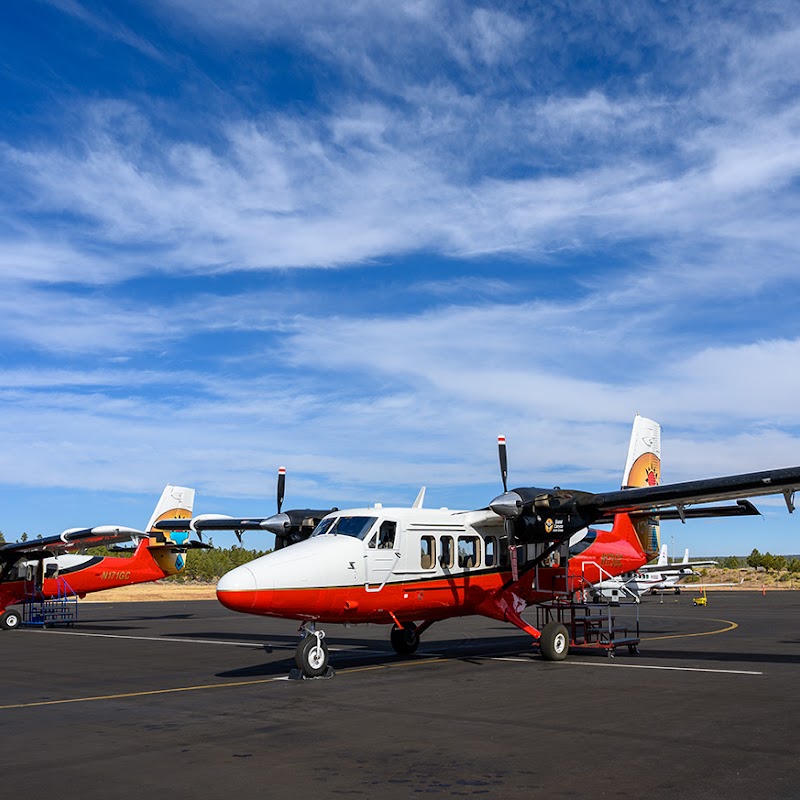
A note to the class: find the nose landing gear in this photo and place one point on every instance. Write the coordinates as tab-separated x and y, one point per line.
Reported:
311	656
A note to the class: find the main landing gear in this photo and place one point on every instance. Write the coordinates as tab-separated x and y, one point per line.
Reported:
554	642
405	640
11	620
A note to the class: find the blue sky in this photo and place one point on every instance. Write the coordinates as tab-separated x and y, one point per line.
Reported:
360	240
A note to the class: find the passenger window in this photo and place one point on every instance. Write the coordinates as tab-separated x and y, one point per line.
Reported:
426	552
469	552
386	535
446	558
491	551
504	559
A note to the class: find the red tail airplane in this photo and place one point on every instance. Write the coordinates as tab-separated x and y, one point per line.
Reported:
400	565
50	567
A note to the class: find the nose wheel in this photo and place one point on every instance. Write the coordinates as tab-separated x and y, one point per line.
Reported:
311	656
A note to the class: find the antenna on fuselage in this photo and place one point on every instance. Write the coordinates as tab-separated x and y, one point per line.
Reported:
420	498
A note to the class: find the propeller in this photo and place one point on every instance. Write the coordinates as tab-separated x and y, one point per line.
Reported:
289	526
281	486
501	450
279	523
509	506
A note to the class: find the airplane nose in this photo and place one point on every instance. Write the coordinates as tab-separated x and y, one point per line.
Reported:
237	589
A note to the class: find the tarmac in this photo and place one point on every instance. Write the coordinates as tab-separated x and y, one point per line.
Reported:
187	699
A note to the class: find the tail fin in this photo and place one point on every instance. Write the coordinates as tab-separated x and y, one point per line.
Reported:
176	502
643	468
663	559
686	556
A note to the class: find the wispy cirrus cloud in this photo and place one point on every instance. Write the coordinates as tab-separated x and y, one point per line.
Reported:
382	232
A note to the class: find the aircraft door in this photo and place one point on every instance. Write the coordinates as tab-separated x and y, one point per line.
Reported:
381	556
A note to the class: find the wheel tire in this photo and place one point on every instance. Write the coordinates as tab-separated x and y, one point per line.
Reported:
405	640
311	656
554	642
11	620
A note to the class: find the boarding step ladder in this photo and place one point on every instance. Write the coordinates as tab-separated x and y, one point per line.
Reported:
593	626
62	609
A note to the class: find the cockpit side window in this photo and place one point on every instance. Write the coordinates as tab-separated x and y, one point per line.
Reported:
386	535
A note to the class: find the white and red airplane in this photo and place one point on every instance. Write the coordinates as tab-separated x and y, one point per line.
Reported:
52	567
410	567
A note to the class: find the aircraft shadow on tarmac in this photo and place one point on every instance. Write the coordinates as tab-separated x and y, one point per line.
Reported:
142	618
228	636
106	628
467	650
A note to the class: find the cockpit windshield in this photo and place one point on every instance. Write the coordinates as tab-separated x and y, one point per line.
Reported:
357	527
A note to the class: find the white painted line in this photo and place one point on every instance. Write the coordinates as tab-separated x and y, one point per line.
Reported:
673	669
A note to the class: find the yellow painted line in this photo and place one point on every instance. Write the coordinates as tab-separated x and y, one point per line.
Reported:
729	627
204	687
144	693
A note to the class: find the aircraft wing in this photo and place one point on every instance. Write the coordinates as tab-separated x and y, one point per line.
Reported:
710	490
280	524
683	586
69	541
676	568
742	508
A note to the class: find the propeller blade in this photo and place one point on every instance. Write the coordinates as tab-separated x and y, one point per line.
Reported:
501	448
281	486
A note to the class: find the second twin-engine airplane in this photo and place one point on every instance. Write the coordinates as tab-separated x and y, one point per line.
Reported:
404	566
51	567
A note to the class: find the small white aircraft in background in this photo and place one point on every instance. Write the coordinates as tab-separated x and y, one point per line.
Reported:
649	579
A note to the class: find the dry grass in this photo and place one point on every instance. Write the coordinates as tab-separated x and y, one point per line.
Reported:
746	580
155	591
